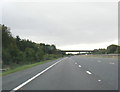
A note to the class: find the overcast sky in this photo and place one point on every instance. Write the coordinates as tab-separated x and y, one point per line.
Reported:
68	25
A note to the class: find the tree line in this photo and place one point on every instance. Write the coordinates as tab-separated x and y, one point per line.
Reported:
23	51
16	51
111	49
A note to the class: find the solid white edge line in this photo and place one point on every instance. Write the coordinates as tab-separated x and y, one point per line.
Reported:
29	80
88	72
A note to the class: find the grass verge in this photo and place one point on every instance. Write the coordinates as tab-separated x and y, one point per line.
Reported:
103	56
23	67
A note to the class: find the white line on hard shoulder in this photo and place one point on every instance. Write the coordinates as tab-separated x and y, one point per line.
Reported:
29	80
88	72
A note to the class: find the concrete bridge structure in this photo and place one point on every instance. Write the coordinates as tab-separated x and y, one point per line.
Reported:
87	51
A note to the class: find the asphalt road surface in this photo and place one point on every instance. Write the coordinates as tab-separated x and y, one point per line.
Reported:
69	73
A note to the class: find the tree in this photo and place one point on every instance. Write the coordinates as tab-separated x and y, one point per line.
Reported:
6	37
18	42
22	51
112	49
53	49
6	57
30	55
117	50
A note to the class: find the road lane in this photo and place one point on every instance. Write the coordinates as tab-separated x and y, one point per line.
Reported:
37	75
67	75
101	67
73	73
15	79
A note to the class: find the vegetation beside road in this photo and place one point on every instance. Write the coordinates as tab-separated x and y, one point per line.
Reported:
17	52
23	67
111	49
103	55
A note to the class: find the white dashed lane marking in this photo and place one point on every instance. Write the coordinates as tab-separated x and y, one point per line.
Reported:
99	61
88	72
111	63
80	66
99	80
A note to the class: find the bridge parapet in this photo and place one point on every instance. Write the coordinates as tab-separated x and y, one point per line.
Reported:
77	50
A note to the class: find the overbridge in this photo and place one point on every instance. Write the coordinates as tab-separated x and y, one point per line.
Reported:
77	51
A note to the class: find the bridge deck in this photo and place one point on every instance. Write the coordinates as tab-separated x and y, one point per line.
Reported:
77	50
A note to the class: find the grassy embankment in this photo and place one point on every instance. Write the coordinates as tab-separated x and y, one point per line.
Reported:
23	67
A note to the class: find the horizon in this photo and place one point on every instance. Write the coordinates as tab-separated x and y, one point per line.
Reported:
54	44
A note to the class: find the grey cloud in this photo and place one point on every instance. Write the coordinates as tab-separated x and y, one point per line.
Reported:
63	23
